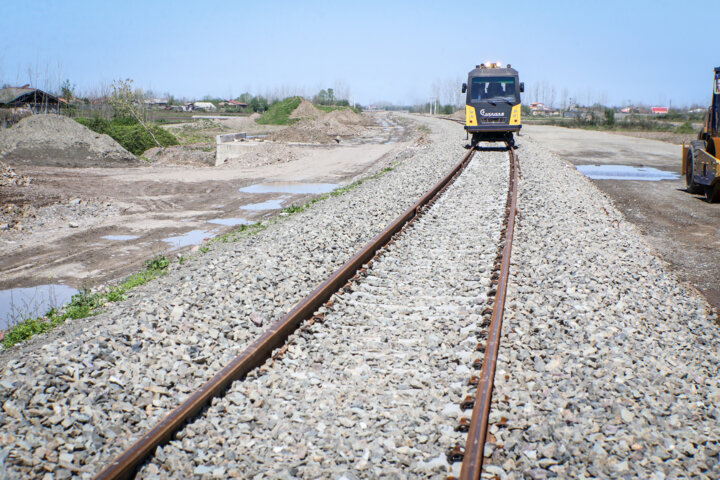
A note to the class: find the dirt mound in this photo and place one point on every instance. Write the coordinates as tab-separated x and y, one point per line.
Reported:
306	110
9	177
347	117
459	115
327	129
261	153
54	140
195	155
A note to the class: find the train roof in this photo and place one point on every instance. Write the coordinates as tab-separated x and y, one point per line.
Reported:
481	71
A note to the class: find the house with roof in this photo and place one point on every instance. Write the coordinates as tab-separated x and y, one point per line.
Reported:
33	99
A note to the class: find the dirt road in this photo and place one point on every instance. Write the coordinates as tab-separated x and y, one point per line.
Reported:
107	222
683	228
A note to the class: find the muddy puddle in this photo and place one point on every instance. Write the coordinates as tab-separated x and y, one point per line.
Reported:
193	237
626	172
230	222
272	204
121	238
290	187
17	304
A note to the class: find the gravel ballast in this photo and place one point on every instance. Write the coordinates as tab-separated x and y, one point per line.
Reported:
76	402
608	368
373	391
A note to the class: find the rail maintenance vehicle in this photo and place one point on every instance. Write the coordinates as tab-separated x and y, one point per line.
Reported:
492	105
700	158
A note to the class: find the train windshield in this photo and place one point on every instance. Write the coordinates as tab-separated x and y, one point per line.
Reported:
493	89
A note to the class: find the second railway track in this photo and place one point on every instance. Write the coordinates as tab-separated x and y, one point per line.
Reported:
375	385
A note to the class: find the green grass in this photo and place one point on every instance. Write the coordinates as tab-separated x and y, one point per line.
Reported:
330	108
279	113
84	304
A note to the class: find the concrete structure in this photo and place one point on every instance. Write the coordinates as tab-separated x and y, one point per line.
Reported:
227	145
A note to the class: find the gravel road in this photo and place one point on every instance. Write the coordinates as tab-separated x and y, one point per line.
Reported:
74	403
373	391
608	367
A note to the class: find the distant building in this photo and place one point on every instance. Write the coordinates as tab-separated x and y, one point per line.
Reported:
30	98
156	102
537	108
659	110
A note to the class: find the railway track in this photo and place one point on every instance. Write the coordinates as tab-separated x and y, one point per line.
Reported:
427	290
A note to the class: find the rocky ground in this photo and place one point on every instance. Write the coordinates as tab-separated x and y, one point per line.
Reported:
608	367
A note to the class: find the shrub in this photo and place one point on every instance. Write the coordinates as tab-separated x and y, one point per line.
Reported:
130	134
685	128
279	113
609	117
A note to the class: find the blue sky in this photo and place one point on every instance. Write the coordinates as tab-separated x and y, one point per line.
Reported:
646	51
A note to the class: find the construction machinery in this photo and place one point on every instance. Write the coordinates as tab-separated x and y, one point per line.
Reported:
700	158
492	106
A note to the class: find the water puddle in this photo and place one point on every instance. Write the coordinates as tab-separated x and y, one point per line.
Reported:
230	221
626	172
121	237
17	304
290	187
193	237
274	204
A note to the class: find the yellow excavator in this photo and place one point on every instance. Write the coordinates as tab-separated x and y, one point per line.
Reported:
700	158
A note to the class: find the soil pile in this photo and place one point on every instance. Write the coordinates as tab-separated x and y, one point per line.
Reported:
54	140
306	110
261	153
348	117
328	129
194	155
8	177
459	115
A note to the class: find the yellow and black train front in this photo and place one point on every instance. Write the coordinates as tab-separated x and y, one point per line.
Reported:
492	106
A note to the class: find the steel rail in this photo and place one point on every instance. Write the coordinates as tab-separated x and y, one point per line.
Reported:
126	464
479	422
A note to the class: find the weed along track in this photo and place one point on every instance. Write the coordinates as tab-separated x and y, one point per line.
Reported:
367	374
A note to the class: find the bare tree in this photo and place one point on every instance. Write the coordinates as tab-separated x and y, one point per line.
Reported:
342	90
564	98
123	101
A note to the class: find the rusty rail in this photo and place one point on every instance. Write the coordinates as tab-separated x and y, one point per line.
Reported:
126	464
475	445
